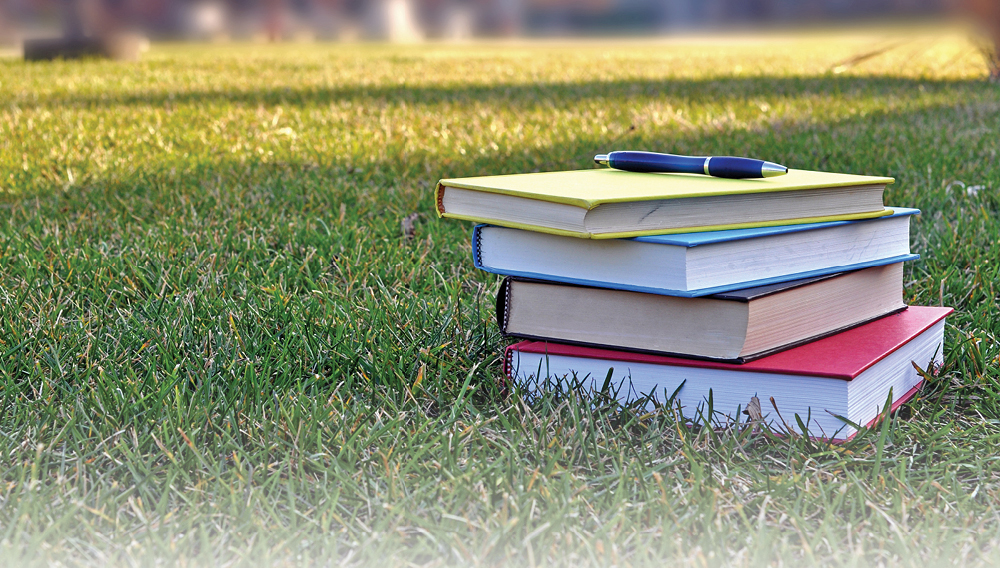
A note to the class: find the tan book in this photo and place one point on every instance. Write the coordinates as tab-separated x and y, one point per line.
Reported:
734	326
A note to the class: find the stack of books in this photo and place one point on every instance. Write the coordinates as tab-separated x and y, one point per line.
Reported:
706	293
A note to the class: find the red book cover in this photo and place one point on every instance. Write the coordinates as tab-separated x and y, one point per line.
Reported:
842	356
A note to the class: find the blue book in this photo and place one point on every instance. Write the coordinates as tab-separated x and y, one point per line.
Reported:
697	264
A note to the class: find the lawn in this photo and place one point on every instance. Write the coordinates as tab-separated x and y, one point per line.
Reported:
217	346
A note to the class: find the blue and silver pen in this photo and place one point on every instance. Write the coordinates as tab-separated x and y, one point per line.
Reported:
717	166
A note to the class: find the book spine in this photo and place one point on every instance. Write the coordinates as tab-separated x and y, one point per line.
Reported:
503	305
507	379
439	199
477	247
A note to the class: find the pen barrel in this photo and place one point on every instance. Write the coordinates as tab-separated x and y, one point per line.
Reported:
735	168
654	162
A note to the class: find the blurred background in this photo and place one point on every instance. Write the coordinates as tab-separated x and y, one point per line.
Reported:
416	20
122	28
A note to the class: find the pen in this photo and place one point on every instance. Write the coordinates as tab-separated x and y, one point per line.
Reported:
717	166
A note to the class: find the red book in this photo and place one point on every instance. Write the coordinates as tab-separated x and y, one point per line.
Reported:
849	375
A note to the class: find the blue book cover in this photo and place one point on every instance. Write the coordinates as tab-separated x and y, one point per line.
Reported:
709	237
689	240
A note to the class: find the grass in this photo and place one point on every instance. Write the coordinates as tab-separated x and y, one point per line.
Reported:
218	348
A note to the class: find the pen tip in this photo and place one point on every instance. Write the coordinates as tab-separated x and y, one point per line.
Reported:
770	169
601	159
